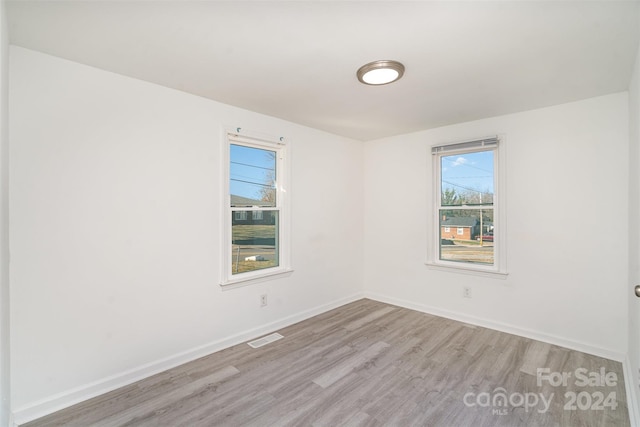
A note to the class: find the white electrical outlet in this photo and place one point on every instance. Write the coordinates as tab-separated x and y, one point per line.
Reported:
466	292
263	300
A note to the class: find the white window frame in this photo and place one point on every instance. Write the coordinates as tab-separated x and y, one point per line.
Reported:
436	152
281	147
460	231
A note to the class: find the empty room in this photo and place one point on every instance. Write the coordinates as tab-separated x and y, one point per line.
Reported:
319	213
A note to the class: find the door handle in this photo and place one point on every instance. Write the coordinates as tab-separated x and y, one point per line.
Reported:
637	290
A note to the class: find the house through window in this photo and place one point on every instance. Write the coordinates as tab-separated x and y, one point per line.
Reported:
466	197
256	243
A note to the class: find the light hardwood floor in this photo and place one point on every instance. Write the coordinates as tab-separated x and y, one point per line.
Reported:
369	364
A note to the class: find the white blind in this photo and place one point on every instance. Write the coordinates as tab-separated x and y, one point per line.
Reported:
249	139
468	145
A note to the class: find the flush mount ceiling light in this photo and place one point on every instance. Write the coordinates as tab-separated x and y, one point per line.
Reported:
380	72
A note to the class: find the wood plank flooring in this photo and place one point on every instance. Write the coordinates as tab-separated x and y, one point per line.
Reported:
371	364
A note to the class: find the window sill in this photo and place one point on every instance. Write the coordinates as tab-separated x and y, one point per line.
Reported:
467	270
245	281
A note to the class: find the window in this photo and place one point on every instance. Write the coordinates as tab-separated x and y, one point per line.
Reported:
255	209
467	192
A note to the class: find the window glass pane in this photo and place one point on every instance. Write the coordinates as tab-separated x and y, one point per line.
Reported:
253	176
467	179
254	242
466	235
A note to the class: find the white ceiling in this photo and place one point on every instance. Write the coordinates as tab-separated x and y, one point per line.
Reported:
298	60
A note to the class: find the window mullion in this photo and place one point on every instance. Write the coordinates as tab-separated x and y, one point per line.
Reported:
257	240
464	177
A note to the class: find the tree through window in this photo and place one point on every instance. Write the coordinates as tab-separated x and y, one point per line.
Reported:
467	225
256	209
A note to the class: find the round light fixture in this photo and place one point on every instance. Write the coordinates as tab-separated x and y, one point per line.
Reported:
380	72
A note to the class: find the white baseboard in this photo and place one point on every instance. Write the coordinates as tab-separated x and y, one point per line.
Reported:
631	387
630	378
461	317
71	397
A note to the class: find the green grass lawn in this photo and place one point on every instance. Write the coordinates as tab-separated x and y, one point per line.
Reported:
248	238
244	266
253	232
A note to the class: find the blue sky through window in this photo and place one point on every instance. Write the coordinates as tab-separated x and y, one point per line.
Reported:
252	171
470	174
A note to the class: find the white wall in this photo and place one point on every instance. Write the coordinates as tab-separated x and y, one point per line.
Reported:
566	169
634	232
115	219
4	219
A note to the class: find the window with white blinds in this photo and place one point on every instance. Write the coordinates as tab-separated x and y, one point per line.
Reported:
468	220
